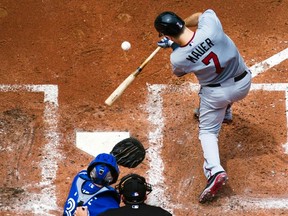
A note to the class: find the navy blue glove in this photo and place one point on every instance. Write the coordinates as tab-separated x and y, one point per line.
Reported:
165	43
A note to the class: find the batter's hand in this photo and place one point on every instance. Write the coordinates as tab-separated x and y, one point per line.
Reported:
165	43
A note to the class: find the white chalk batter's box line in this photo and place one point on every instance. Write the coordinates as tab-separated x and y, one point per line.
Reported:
155	174
42	203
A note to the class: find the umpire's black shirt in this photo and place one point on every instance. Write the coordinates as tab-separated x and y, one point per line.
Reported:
136	210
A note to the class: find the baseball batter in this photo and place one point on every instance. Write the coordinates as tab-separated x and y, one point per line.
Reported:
221	71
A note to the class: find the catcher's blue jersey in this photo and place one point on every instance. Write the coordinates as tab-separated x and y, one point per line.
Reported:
83	192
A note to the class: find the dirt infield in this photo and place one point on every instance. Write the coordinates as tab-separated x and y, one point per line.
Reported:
60	60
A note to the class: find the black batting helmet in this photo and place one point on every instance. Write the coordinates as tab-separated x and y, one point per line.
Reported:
168	23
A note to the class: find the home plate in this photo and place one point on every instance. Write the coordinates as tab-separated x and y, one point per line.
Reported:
95	143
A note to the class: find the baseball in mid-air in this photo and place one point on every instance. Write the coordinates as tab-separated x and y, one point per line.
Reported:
125	45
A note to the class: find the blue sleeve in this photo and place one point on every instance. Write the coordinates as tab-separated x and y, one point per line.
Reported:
71	201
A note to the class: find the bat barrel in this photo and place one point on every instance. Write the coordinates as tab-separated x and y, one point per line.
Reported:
121	88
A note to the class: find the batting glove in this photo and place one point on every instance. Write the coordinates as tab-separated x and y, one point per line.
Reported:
165	43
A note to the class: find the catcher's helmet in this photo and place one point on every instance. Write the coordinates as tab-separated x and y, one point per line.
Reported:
168	23
134	189
103	169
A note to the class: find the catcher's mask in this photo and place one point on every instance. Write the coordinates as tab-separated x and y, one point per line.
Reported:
103	169
134	189
168	23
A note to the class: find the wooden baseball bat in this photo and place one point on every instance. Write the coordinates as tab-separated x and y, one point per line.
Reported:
121	88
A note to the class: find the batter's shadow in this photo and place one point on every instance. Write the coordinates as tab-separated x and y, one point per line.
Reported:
244	139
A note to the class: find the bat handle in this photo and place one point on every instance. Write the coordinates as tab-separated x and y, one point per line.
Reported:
149	58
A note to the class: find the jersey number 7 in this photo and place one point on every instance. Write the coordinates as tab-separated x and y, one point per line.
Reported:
214	57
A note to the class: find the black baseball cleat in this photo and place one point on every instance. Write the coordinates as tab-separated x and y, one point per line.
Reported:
215	182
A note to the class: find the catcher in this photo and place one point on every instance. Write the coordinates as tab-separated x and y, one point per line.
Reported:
90	191
91	188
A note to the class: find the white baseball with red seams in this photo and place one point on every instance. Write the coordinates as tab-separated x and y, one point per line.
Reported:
125	45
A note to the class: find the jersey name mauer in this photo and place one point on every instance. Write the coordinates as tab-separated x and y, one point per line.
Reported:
200	50
210	54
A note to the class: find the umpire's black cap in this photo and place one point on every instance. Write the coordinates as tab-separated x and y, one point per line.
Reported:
134	189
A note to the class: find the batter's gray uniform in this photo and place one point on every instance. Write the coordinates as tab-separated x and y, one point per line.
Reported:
224	78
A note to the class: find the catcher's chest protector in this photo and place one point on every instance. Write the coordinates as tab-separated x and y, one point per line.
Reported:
84	196
85	193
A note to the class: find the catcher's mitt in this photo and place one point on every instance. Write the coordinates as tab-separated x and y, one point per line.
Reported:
129	152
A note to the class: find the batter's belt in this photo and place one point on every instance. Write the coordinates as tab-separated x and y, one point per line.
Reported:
236	79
